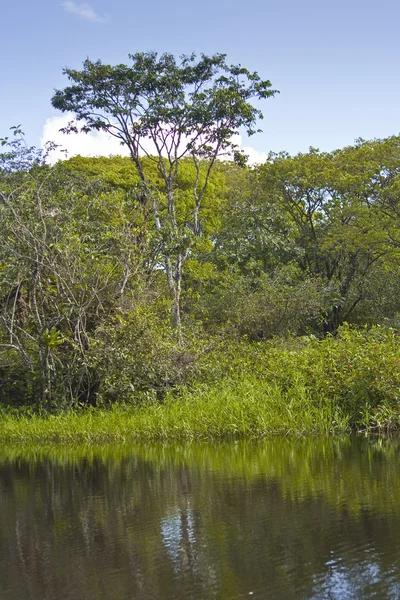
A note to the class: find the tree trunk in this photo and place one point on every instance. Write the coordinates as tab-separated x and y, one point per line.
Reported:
174	279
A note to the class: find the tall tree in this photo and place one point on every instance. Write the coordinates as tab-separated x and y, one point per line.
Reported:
187	108
333	207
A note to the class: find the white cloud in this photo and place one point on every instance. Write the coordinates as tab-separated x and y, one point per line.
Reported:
86	144
85	11
255	157
100	143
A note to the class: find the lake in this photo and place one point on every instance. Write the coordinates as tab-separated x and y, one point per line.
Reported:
278	519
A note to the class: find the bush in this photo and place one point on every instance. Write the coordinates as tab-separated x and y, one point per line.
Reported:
137	355
356	373
262	306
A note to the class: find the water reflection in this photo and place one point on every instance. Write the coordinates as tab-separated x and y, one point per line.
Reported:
308	518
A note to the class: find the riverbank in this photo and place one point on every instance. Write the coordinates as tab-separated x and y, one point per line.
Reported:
305	386
250	408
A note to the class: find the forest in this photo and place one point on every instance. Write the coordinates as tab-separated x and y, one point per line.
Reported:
184	281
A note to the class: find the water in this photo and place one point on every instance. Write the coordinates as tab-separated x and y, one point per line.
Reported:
282	519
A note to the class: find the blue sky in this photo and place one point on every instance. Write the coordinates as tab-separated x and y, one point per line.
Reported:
336	64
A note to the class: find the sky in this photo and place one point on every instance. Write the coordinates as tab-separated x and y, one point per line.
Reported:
336	64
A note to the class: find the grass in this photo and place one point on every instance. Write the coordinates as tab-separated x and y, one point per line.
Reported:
304	386
251	408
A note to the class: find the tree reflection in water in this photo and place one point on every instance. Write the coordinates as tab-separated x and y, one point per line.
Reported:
308	518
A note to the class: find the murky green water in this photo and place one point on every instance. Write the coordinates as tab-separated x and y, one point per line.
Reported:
281	519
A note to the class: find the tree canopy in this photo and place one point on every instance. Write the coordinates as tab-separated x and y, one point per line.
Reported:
95	249
187	109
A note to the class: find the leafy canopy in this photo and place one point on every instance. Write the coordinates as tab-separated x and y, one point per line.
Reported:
191	107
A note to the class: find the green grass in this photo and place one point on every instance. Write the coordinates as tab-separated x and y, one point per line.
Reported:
251	408
302	386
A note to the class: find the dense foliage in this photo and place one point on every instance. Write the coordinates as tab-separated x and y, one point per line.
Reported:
293	264
168	110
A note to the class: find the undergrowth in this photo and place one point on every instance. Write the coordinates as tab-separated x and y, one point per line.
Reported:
350	382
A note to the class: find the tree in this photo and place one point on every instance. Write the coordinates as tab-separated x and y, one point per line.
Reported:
190	108
334	208
69	248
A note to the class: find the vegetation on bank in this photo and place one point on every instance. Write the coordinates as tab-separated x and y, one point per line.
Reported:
302	386
179	294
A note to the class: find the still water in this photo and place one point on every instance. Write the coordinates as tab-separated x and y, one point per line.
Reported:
281	519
